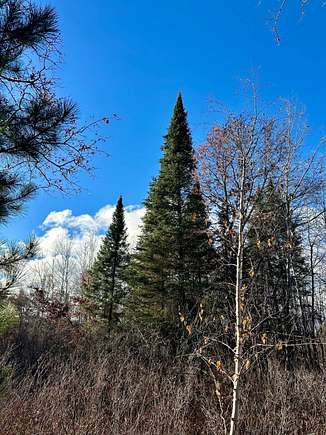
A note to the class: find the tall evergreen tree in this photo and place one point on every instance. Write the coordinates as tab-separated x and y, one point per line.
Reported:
200	254
225	239
275	260
168	273
107	285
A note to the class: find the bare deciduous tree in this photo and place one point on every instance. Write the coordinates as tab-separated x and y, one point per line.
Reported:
238	163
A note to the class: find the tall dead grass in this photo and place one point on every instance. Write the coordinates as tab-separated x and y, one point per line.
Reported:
131	384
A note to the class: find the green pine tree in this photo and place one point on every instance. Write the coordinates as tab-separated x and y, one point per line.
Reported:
266	260
107	286
168	274
224	275
200	254
275	257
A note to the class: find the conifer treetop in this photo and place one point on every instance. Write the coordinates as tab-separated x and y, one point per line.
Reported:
178	136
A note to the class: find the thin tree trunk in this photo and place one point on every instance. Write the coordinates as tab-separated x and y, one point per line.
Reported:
312	274
110	315
238	347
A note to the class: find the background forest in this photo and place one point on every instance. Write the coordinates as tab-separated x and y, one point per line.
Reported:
212	319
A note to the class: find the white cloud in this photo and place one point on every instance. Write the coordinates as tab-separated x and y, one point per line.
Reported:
48	242
133	221
103	217
65	218
63	225
81	236
56	218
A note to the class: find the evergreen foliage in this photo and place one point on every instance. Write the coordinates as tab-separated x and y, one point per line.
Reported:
40	142
107	287
225	269
169	271
276	260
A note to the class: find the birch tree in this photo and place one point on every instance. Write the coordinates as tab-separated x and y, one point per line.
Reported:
237	163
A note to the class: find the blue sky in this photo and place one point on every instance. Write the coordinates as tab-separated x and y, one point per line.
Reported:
131	58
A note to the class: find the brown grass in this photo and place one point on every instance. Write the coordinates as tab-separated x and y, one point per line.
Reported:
131	385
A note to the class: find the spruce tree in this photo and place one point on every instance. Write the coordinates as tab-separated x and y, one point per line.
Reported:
275	257
107	287
224	275
168	274
200	254
266	261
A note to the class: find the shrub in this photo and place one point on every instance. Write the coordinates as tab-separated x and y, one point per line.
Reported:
131	384
9	317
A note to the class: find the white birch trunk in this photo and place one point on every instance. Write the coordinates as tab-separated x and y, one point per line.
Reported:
238	349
